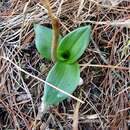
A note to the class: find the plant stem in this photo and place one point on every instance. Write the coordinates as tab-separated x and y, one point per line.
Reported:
56	30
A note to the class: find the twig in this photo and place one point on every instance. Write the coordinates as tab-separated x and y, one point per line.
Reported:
76	116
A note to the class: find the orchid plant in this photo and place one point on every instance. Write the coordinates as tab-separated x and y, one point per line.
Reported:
65	74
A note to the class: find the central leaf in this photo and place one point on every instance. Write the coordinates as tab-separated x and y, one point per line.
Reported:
72	46
64	76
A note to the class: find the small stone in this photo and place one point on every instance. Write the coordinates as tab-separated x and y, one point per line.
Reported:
80	82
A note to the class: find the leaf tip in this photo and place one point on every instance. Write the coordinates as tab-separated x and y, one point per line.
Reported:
35	26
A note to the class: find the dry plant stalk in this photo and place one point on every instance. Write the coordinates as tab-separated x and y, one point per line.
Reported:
106	66
55	26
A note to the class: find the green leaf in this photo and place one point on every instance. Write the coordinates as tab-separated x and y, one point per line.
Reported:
43	40
72	46
64	76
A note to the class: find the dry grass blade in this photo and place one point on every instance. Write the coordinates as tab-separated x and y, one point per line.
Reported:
106	66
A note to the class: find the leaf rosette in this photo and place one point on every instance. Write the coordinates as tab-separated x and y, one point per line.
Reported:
65	74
